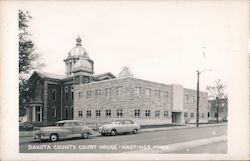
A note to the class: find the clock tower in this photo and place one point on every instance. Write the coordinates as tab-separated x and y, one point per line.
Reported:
79	65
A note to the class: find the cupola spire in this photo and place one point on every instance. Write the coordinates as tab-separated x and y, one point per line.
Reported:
78	41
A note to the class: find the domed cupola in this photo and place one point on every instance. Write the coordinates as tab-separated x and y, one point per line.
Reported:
125	73
78	50
78	60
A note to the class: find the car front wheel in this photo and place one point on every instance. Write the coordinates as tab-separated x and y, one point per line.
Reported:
53	137
113	132
85	135
135	131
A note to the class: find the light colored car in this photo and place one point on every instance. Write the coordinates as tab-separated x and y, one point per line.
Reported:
64	129
119	126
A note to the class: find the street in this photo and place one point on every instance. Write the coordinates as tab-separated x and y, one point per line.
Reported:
150	142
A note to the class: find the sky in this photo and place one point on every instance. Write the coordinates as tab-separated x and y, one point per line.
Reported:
162	41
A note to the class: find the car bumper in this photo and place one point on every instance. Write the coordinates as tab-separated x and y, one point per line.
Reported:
41	136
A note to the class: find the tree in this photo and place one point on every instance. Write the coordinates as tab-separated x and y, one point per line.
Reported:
28	59
217	91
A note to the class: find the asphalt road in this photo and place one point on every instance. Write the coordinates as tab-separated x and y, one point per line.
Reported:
122	143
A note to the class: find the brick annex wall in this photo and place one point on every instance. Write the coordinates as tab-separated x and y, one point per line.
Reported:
129	101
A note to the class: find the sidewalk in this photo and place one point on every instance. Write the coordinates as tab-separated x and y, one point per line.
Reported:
171	148
31	133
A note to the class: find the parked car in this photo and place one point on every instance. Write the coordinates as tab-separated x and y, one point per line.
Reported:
26	126
64	129
119	126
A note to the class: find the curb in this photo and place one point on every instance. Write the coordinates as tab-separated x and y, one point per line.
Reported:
184	145
31	133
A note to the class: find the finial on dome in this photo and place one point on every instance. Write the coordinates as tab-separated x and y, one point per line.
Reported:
78	41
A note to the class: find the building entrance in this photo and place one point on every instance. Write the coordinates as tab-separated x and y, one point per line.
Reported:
176	117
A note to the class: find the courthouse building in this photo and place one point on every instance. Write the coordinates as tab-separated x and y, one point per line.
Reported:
82	95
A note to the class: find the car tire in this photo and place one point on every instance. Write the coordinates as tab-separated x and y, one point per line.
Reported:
113	132
85	135
135	131
53	137
103	134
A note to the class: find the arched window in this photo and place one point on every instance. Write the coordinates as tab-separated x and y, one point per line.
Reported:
66	112
54	111
72	112
54	95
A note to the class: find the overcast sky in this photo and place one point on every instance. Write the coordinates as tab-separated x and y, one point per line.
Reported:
159	41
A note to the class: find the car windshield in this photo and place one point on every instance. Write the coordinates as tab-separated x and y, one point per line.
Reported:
116	122
60	124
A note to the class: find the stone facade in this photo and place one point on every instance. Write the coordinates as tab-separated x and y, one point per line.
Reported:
143	101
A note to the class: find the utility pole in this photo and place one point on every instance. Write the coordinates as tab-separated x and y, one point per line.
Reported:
198	96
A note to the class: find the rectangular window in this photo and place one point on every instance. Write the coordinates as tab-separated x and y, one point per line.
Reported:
88	94
202	115
165	113
38	113
208	114
107	92
137	91
193	98
185	114
148	92
137	113
157	114
118	91
98	113
89	114
54	95
108	113
157	93
166	94
66	96
192	115
119	113
186	98
72	96
147	113
79	113
97	93
54	111
66	93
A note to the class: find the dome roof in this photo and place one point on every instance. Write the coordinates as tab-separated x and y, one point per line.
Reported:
78	50
83	64
125	73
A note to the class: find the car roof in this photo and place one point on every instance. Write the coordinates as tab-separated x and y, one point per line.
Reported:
63	121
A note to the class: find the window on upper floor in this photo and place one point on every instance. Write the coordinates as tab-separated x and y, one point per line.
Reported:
107	92
157	93
166	94
186	97
137	91
54	95
147	92
97	93
191	114
89	94
119	91
185	114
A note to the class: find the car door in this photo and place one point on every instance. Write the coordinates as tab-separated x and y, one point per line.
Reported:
122	127
129	125
78	129
67	130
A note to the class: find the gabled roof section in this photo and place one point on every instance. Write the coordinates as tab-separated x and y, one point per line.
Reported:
100	76
50	75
